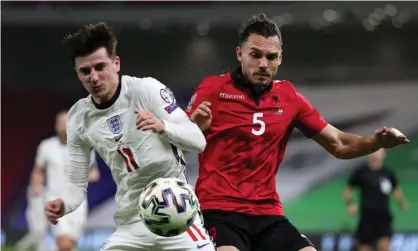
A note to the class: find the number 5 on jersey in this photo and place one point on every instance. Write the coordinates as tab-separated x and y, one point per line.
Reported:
126	153
258	121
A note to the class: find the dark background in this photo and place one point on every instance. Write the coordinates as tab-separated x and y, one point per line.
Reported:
325	43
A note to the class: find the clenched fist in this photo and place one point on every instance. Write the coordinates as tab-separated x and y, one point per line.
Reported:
388	137
145	120
54	210
202	115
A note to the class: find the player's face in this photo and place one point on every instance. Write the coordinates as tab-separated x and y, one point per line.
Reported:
260	57
99	74
60	124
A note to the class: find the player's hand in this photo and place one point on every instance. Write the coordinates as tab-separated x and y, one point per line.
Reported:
145	121
388	137
54	210
404	206
352	209
202	115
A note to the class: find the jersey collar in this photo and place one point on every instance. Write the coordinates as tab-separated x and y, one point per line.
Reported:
238	79
112	100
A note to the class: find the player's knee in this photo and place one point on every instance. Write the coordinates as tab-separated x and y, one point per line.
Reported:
227	248
65	243
308	249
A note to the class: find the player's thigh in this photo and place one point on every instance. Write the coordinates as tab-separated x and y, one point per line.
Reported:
228	230
130	237
280	234
196	238
368	231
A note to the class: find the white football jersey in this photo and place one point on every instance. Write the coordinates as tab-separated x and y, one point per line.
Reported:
53	156
135	157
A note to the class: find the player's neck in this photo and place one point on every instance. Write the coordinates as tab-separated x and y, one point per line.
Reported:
239	78
110	99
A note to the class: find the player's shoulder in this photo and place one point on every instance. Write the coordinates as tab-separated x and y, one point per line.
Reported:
285	88
214	81
284	84
76	112
50	142
141	85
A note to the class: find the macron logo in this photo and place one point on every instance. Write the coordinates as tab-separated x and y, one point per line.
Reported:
230	96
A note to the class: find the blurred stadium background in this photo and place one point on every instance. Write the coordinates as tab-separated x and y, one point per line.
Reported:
356	61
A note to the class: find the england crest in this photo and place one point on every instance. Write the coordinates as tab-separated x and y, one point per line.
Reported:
115	124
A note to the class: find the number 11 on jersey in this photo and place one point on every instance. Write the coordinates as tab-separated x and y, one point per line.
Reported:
127	155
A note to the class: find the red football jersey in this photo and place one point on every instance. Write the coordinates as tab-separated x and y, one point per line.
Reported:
246	142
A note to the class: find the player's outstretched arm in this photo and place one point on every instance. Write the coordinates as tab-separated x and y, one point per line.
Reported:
348	146
78	171
177	127
341	144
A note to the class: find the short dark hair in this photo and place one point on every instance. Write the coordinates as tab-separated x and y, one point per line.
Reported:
90	38
259	25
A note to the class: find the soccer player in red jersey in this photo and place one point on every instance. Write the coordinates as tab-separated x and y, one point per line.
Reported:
247	118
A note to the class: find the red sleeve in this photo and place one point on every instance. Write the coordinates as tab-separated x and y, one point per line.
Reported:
308	121
202	93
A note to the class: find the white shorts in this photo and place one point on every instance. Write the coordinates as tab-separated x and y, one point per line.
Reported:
35	215
72	224
136	237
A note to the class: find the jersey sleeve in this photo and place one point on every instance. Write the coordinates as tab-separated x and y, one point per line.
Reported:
41	153
93	161
78	168
202	93
179	130
308	120
355	179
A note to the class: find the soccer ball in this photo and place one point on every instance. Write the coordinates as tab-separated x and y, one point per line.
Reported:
168	206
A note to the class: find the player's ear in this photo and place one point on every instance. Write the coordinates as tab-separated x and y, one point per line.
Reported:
117	63
239	53
280	57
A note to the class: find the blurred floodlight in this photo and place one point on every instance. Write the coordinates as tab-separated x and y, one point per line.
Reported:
287	18
397	23
279	20
374	19
368	26
390	9
330	15
380	13
203	28
404	17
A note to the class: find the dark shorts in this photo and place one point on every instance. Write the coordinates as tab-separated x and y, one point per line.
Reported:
253	232
372	227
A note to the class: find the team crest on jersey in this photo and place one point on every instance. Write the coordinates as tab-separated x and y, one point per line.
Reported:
115	124
168	96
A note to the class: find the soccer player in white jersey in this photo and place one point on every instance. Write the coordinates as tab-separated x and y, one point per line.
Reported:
51	165
135	125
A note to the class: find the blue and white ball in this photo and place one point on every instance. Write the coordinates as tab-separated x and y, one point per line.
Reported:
168	206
